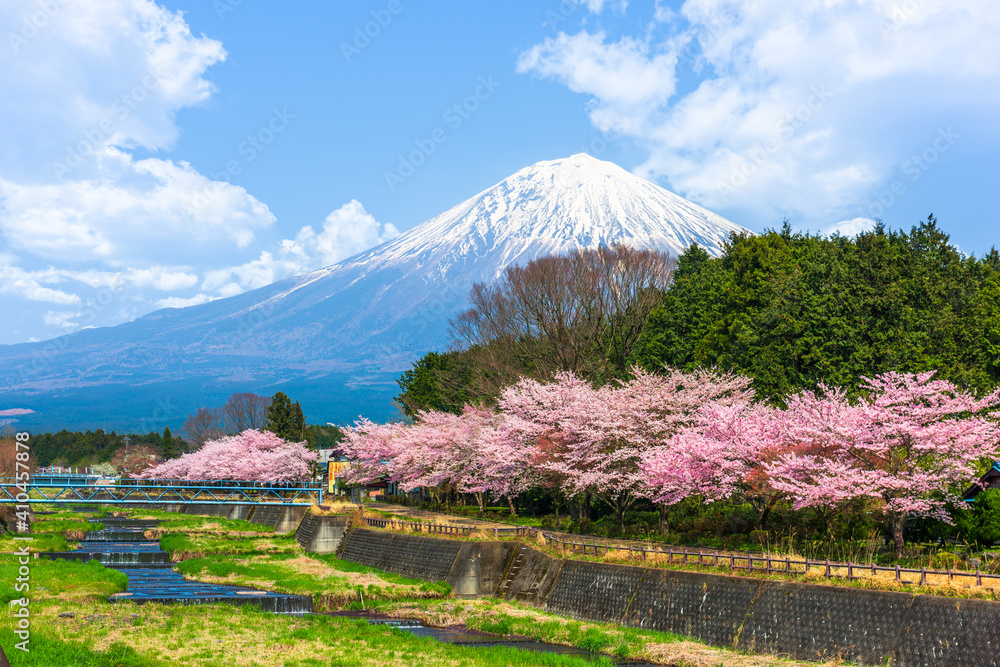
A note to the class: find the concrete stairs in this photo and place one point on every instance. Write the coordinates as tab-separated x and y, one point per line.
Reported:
515	568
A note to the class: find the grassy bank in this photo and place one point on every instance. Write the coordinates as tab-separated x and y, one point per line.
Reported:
59	531
126	635
333	584
73	624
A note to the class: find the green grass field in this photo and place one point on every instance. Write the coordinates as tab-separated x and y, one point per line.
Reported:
73	624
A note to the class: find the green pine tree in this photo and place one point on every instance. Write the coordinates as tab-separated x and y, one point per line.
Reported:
297	432
169	445
285	419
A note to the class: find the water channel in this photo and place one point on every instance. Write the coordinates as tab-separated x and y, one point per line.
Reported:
122	546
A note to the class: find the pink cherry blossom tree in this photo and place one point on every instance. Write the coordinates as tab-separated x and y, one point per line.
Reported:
905	445
593	440
463	452
723	454
249	456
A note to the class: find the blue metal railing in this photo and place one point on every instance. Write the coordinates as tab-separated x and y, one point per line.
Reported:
162	491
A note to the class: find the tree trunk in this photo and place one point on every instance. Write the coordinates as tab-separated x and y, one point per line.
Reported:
479	499
585	513
763	507
665	518
621	503
897	532
510	503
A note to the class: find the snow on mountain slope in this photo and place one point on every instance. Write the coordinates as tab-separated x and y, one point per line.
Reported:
383	308
553	207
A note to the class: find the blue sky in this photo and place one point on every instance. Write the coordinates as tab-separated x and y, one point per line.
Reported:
162	154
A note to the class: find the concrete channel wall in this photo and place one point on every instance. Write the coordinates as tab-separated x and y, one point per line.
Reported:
803	621
321	534
473	569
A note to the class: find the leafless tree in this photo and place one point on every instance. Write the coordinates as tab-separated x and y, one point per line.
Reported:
134	460
204	425
581	312
245	410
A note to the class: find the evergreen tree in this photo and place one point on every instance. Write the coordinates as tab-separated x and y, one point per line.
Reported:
297	433
792	310
321	436
169	447
436	382
285	419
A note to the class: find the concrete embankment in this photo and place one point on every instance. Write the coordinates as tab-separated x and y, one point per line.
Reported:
803	621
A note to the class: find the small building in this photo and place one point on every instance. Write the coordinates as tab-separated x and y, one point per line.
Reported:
374	490
990	480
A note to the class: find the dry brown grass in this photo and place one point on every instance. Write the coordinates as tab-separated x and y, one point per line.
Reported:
334	508
157	533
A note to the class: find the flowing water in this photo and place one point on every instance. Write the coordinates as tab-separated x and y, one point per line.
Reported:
123	547
463	636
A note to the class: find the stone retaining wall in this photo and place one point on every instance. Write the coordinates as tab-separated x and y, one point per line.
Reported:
473	569
803	621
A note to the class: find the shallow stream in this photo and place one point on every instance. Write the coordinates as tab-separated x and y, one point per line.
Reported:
463	636
122	546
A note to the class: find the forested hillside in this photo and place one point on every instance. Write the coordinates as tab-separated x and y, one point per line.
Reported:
792	310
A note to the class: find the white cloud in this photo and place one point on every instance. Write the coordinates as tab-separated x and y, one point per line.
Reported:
16	412
796	108
62	319
162	279
94	228
851	227
597	6
178	302
347	231
27	285
96	74
627	80
145	209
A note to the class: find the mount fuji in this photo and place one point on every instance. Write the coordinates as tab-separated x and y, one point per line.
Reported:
337	338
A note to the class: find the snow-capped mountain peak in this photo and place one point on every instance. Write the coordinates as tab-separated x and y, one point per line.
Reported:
551	207
373	314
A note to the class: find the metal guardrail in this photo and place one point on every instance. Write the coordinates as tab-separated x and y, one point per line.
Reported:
734	562
199	492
